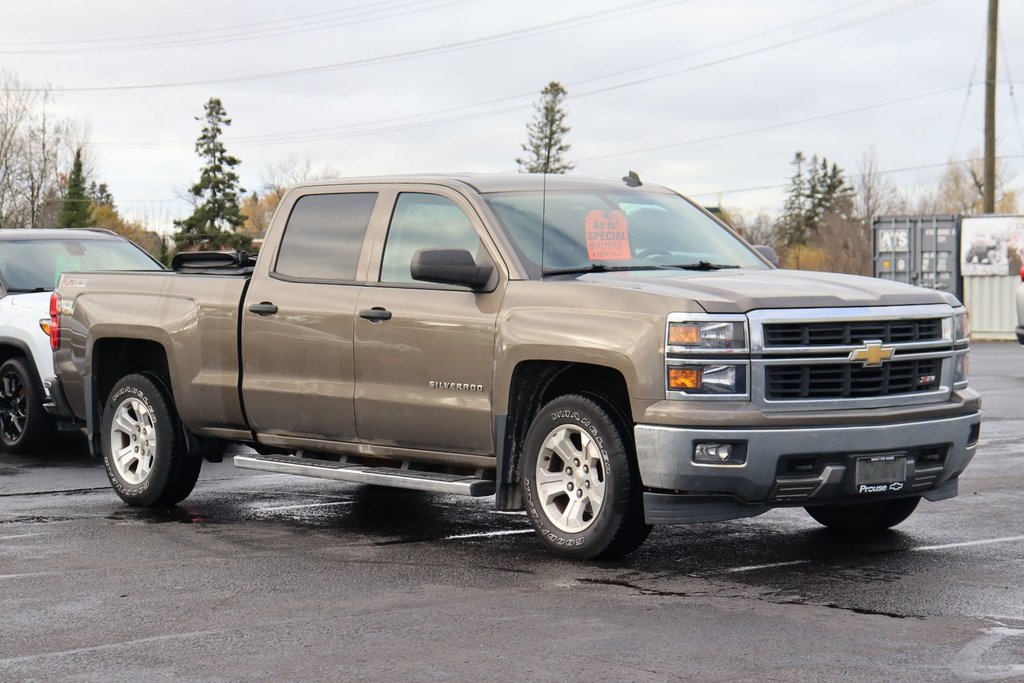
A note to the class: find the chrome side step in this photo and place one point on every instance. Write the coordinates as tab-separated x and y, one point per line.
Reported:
382	476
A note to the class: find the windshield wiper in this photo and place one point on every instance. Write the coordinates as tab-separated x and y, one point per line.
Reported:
599	268
701	265
27	290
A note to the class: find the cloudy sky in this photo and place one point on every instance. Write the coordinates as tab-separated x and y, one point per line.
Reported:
711	97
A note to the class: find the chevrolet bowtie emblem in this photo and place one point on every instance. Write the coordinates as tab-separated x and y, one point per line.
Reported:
873	354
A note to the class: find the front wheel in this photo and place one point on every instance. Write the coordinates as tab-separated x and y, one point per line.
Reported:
145	451
860	518
583	494
23	422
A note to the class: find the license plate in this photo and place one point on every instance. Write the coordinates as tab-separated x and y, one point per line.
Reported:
880	473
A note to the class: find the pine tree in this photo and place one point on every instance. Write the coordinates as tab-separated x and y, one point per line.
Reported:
217	216
546	145
76	209
813	195
100	195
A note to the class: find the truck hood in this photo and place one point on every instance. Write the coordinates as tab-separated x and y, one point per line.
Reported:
740	291
36	301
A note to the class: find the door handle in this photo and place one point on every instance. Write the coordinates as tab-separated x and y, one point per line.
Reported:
376	314
263	308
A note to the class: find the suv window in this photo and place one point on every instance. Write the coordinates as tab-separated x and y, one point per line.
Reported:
36	265
425	221
324	236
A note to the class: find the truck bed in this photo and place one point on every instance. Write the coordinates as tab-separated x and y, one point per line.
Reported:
194	317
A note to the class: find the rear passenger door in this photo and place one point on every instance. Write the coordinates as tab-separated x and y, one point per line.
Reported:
297	318
425	352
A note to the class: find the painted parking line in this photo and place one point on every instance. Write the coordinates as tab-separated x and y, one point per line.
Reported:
985	541
944	546
306	505
17	536
506	532
753	567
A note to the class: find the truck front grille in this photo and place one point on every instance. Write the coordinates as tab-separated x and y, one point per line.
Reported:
850	358
851	332
847	380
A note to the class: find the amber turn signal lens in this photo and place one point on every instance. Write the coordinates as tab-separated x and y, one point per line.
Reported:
680	334
44	325
683	379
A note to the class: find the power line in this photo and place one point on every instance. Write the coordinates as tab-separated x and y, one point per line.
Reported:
334	132
299	135
582	20
967	95
773	126
1013	99
347	19
892	171
199	32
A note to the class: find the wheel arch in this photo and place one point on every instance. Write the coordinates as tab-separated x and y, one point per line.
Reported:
533	384
111	359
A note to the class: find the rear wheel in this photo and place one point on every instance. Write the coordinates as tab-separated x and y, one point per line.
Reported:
582	488
23	422
145	451
860	518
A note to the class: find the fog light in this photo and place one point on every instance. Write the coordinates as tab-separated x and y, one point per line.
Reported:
719	453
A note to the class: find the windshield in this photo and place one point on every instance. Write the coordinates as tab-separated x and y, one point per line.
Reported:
36	265
587	231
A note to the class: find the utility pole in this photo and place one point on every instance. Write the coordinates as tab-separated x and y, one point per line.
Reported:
989	198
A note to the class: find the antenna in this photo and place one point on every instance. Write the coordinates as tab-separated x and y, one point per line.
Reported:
543	206
632	180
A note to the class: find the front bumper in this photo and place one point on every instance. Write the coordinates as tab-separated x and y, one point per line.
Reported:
794	466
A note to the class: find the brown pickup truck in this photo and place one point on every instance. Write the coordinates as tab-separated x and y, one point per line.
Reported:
605	355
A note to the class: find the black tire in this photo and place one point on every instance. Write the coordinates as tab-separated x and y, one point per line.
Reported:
863	518
164	472
23	422
617	525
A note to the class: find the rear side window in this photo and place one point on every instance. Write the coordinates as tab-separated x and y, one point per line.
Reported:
324	236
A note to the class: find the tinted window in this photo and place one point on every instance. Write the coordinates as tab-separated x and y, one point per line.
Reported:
324	236
27	265
426	221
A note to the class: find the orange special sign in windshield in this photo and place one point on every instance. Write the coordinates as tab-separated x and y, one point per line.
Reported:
607	236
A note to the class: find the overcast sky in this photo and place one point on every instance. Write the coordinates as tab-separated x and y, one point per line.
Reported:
710	97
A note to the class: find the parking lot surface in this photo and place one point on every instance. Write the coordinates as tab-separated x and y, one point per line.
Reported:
270	577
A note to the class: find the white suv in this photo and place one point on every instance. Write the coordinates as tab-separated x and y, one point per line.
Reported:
31	261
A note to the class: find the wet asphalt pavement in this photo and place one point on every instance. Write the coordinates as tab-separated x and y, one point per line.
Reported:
270	577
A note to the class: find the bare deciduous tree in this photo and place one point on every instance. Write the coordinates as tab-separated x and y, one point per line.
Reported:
35	144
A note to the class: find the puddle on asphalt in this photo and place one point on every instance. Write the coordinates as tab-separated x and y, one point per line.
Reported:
160	516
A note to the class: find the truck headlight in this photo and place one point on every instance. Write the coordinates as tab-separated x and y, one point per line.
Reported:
708	379
961	326
707	334
707	356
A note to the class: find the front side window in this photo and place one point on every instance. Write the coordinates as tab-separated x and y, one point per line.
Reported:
426	221
36	265
324	236
614	230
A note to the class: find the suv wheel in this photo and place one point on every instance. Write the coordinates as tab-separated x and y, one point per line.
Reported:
23	422
580	481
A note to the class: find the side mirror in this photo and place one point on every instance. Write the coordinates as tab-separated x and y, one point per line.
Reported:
768	253
449	267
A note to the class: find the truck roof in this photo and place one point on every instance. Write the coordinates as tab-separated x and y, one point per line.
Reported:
494	182
8	234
